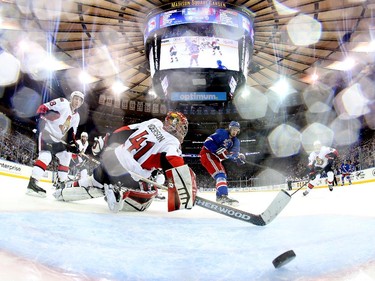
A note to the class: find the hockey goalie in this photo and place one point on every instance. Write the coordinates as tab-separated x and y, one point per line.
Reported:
128	158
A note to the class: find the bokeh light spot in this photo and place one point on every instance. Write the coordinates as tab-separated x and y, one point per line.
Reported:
284	141
316	131
352	102
5	124
25	102
270	177
250	103
304	30
346	131
317	97
9	68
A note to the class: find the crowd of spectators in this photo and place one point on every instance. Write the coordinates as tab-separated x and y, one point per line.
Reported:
17	147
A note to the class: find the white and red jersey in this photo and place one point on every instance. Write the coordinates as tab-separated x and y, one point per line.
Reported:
66	119
82	146
142	150
320	158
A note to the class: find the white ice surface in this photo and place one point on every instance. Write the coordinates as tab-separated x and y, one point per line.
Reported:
332	234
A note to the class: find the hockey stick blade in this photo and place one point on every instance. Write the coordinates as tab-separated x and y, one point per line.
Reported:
229	211
277	205
274	209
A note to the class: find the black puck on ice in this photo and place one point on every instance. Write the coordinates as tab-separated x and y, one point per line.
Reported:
284	258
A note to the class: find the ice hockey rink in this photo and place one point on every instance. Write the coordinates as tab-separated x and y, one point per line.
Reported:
332	234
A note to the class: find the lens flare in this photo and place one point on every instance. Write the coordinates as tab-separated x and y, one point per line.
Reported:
284	141
25	102
347	131
316	131
304	30
250	103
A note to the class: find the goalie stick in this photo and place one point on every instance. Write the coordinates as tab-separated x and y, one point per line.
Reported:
273	210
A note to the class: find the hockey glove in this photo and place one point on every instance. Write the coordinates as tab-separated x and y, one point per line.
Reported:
73	147
240	160
331	158
222	153
237	158
158	176
333	155
99	144
312	172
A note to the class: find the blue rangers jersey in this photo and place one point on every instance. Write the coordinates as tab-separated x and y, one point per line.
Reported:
221	139
346	168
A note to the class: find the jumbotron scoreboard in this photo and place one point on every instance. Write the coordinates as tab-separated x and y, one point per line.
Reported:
199	51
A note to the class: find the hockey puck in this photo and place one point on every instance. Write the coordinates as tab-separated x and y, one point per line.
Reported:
283	259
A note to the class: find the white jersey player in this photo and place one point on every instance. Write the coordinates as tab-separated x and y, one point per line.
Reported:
133	152
78	162
83	142
321	160
58	124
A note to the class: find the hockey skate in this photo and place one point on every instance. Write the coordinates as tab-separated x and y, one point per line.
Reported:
225	200
113	197
34	190
305	193
330	187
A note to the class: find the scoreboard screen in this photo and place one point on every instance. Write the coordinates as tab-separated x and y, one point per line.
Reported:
198	50
199	15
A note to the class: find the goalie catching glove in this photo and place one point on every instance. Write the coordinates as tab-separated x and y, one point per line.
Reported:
182	188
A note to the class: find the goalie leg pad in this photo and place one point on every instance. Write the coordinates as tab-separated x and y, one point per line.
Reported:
78	193
138	201
182	188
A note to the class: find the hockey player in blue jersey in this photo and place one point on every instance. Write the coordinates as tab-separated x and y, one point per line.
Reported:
220	146
346	171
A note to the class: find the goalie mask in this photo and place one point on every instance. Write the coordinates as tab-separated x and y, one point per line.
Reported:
176	124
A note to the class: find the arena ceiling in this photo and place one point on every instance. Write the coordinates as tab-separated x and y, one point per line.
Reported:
305	42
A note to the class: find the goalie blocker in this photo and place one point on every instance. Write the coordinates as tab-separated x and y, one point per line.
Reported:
182	188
